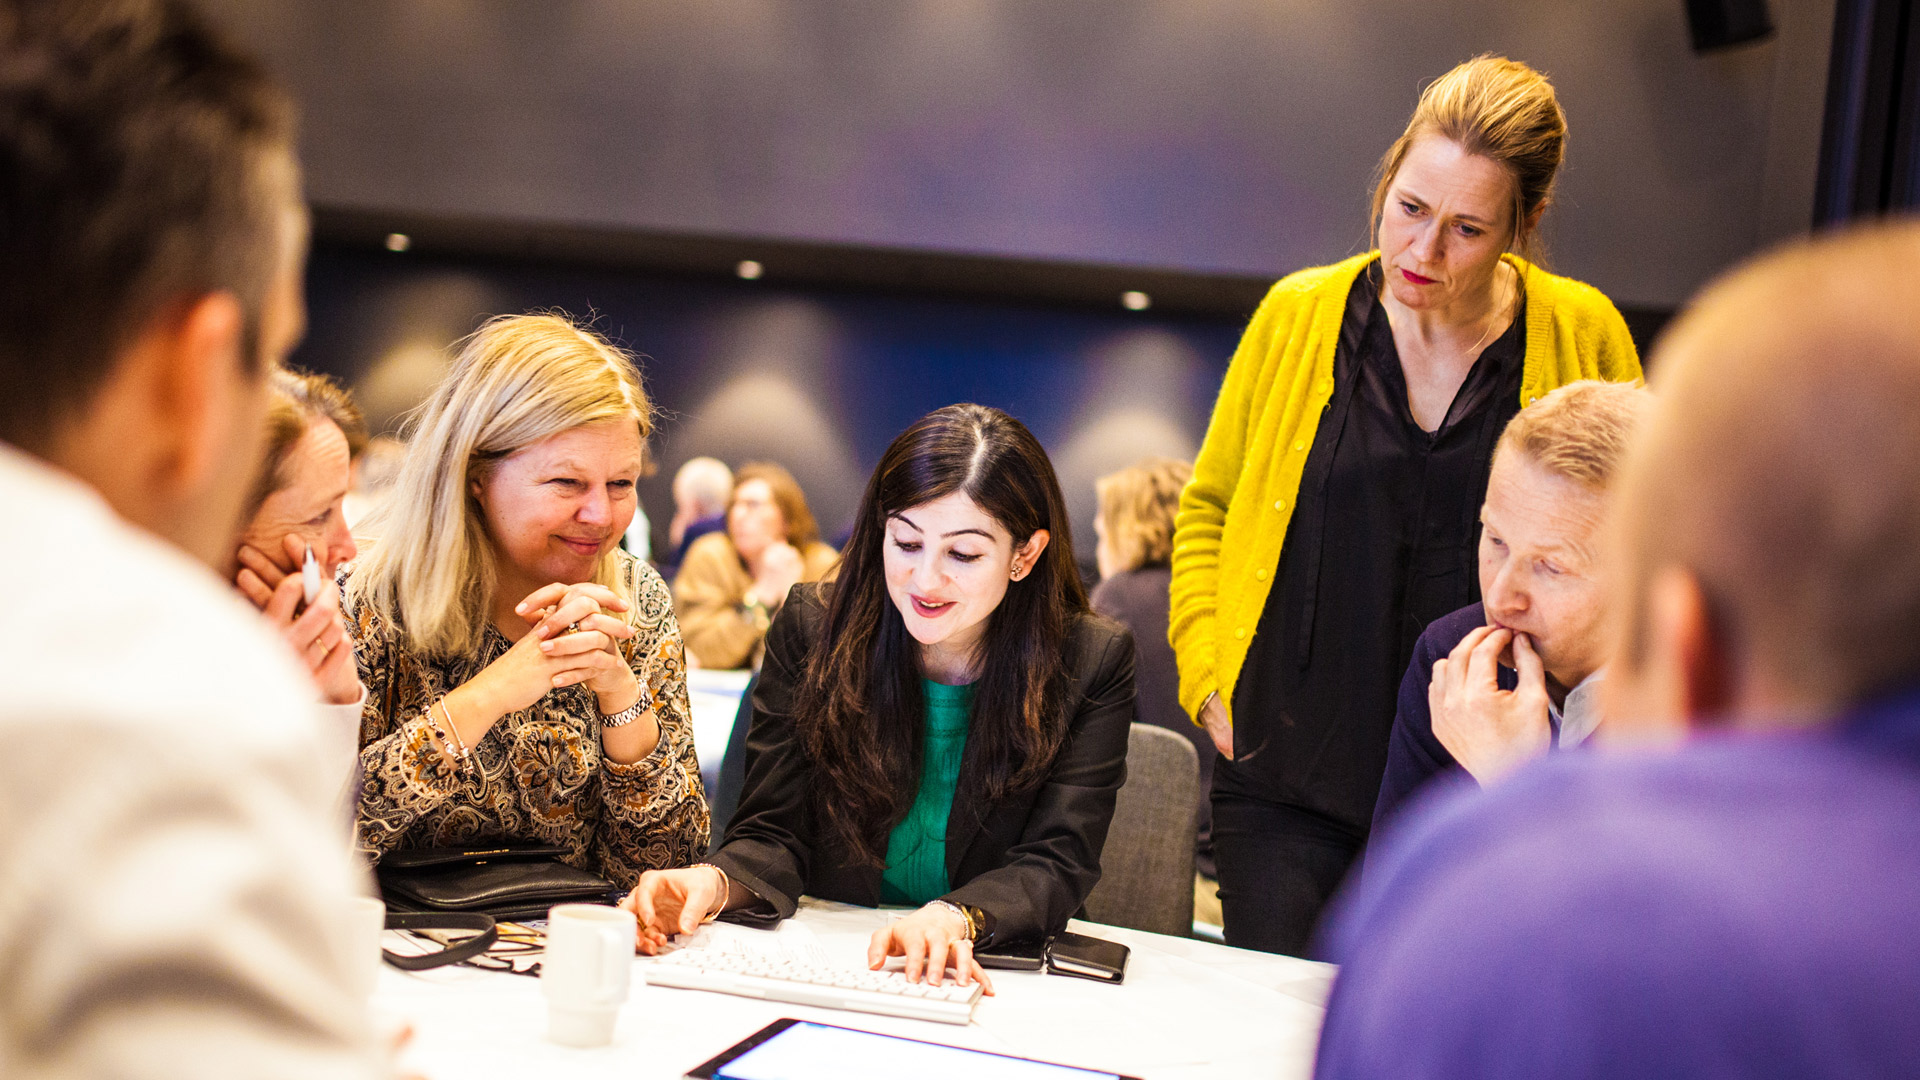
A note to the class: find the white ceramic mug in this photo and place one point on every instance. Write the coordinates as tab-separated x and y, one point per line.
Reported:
369	921
586	971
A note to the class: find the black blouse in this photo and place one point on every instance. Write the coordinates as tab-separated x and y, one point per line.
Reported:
1385	540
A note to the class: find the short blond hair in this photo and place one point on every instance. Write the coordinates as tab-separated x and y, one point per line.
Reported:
1498	109
1580	431
517	380
296	400
1780	468
1137	505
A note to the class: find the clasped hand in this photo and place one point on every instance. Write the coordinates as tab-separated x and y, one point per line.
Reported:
570	639
1490	731
932	939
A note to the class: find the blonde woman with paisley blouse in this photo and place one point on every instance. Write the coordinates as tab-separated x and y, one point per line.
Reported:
525	677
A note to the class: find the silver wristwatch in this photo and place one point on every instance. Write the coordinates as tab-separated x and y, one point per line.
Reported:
625	716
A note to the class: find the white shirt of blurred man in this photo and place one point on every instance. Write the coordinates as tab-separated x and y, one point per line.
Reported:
176	878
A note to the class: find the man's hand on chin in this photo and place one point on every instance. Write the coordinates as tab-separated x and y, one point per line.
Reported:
1490	731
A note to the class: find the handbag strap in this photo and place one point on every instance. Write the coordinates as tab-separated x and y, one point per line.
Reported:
442	920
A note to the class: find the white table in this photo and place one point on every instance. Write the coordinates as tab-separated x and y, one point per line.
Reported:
1187	1009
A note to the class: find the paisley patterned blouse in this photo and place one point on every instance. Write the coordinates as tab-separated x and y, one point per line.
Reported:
538	775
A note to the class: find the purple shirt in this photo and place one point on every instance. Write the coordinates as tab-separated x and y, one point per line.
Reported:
1747	906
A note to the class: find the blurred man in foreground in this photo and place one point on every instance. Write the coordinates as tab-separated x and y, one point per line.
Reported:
1742	905
175	883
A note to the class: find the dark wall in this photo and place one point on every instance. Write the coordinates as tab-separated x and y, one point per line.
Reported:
1227	135
815	380
1232	136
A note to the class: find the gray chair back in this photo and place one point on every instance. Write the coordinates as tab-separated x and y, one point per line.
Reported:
1146	869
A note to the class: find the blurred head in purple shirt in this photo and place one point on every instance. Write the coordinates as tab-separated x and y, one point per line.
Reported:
1771	524
1739	904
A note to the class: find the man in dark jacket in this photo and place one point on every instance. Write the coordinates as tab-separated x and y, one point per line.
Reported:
1505	680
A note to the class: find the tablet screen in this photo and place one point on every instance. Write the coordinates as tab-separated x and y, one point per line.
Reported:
819	1052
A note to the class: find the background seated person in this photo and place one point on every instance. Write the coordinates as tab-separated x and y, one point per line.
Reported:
524	675
1497	683
1740	904
1133	530
944	724
733	582
701	490
374	470
313	432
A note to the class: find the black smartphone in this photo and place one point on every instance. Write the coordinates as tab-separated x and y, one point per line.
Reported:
1013	956
1086	957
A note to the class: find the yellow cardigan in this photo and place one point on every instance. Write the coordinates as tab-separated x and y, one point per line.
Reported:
1234	512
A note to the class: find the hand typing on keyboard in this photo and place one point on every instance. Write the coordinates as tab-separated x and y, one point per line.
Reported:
805	977
931	940
669	902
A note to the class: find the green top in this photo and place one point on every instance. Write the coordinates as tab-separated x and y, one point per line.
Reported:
917	848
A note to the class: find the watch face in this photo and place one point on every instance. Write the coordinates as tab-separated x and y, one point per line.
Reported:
982	925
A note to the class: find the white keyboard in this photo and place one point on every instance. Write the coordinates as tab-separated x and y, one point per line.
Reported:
802	983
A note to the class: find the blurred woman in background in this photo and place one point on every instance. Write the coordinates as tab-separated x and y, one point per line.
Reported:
524	675
942	725
1334	506
314	434
1133	528
733	583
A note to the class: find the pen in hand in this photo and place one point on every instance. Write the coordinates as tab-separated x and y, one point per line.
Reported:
310	576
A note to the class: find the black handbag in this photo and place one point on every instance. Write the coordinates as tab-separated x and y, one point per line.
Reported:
470	888
506	881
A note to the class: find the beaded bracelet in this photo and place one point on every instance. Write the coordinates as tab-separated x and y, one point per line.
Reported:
449	735
459	745
973	929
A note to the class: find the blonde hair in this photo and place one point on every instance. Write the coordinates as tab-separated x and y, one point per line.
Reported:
1580	431
517	380
296	400
1137	505
1499	109
1781	468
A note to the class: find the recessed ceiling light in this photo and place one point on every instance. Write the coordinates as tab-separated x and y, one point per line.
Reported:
398	241
749	270
1135	300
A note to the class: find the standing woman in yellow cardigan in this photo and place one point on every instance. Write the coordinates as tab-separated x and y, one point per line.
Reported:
1334	507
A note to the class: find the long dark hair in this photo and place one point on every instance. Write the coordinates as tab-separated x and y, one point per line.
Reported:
861	712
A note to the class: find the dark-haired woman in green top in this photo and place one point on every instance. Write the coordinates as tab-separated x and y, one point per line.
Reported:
944	724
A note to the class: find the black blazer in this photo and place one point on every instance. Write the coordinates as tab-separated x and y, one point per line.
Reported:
1028	861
